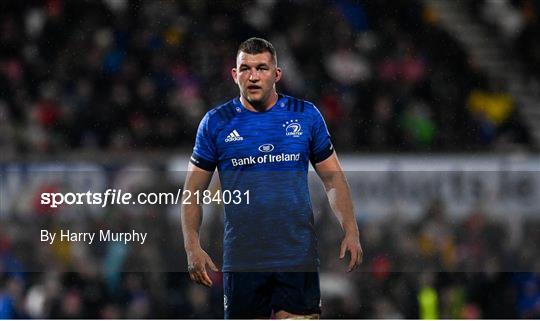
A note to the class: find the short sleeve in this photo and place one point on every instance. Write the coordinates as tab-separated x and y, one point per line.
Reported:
204	153
321	146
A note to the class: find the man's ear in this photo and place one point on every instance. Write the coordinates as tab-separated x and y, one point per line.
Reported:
234	75
278	74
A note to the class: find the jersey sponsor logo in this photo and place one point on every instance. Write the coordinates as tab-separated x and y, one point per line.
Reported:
265	148
233	137
265	159
293	128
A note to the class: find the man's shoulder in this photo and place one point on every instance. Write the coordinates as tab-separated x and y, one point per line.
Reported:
295	104
222	113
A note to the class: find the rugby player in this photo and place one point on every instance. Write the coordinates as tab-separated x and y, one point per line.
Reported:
262	142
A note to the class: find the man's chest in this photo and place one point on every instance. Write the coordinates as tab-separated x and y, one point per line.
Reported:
278	140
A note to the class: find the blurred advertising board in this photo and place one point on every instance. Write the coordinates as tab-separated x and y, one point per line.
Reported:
380	185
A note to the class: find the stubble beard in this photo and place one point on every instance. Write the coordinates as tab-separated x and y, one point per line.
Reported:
257	103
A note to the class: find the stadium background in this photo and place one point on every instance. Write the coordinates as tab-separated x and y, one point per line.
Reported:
109	93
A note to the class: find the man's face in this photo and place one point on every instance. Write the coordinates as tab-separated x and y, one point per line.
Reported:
255	75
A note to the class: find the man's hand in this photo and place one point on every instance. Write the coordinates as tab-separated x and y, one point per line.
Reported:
351	243
197	261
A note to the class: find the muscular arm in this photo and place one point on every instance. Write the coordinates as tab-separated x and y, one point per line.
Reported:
339	196
197	179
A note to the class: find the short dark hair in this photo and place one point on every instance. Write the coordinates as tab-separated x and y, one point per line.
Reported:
257	46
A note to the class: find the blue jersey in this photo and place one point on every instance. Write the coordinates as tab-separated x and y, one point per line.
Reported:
268	154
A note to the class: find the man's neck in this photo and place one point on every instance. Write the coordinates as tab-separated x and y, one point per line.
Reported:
262	107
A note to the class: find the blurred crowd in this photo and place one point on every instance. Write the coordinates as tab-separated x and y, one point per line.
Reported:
118	75
434	266
517	24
